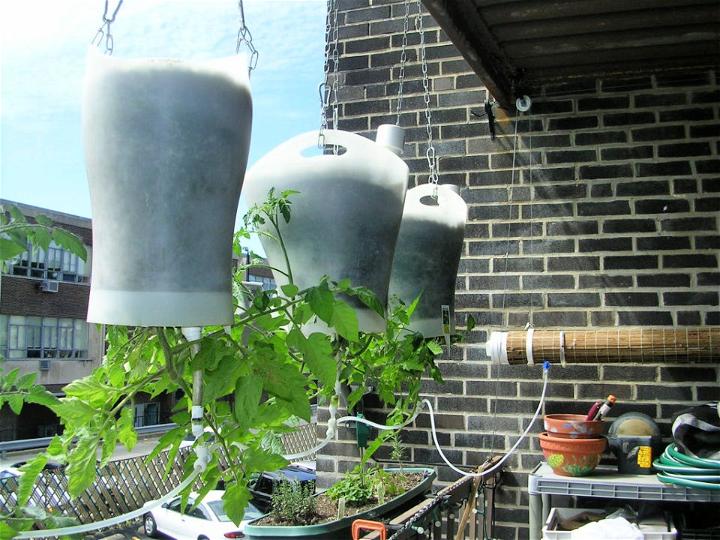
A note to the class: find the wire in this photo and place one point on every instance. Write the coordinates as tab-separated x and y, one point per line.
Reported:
76	529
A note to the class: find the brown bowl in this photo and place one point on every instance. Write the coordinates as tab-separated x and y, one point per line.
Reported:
572	426
572	457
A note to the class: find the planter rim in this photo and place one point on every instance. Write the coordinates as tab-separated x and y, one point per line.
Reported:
576	446
289	531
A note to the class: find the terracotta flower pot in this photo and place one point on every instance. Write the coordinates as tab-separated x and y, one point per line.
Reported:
572	426
572	457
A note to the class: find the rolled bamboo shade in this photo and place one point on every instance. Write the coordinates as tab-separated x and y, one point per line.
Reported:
606	346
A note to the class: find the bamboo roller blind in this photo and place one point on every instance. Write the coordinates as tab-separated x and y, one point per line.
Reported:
616	345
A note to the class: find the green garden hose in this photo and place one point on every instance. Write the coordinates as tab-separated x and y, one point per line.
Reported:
682	470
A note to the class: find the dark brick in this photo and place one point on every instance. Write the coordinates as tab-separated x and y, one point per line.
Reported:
605	244
629	373
477	230
465	163
690	298
592	172
494	283
684	149
571	228
492	423
708	278
684	185
627	153
712	318
473	266
489	178
344	5
552	107
493	248
366	107
507	300
573	263
666	168
472	301
631	299
592	391
570	156
689	261
708	393
544	141
600	137
705	130
488	212
628	262
450	115
661	206
707	204
561	191
644	187
353	31
664	392
660	133
682	79
650	318
573	122
664	280
491	388
659	100
712	96
573	300
663	243
542	247
601	190
689	318
603	208
686	115
603	281
628	225
533	211
550	174
689	224
369	76
484	195
688	374
560	318
560	281
574	86
504	230
592	104
505	160
627	119
708	166
632	83
366	45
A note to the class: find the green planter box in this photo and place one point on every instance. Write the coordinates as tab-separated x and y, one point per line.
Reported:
340	528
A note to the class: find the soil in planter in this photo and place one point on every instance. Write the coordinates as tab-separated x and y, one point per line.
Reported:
327	508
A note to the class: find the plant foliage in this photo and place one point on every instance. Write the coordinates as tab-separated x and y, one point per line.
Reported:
294	503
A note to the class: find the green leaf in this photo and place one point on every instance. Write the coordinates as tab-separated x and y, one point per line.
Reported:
10	248
16	214
434	347
70	242
285	382
221	381
262	460
40	238
248	392
322	302
27	380
82	468
317	353
16	402
344	320
6	531
44	220
235	499
290	290
470	323
89	390
40	396
126	429
31	470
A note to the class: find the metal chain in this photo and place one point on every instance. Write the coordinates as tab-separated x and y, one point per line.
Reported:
403	59
103	34
430	152
336	61
245	37
324	89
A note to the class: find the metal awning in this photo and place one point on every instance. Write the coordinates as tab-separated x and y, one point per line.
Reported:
515	46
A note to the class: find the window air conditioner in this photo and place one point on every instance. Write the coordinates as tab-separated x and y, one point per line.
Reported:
44	365
49	286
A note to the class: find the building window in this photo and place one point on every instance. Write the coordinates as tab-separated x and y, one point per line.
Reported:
268	283
42	337
56	264
147	414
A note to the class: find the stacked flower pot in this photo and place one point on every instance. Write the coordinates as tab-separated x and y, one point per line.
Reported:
571	444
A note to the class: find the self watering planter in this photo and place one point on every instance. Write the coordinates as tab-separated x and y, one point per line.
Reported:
345	217
166	146
340	528
572	457
427	256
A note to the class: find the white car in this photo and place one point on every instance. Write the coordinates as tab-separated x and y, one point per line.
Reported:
206	522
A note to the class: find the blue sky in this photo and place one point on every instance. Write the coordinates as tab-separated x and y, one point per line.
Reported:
43	54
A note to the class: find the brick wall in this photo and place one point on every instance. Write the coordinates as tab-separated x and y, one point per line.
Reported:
611	219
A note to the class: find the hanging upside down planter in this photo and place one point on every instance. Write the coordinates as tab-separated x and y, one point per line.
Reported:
166	146
345	216
427	256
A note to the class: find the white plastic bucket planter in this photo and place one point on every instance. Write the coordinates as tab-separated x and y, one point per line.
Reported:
166	146
344	220
427	255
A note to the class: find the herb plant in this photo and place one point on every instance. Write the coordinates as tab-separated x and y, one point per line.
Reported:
293	503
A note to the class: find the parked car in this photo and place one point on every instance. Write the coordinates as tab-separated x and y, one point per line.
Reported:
206	522
263	485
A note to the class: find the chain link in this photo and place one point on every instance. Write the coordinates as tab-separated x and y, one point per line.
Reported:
329	90
244	36
403	60
430	154
104	34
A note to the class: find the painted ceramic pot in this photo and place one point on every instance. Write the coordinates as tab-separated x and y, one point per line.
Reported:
427	256
572	457
166	146
572	426
345	217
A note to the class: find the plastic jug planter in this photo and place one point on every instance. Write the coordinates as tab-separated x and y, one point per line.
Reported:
340	528
344	220
427	256
166	146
